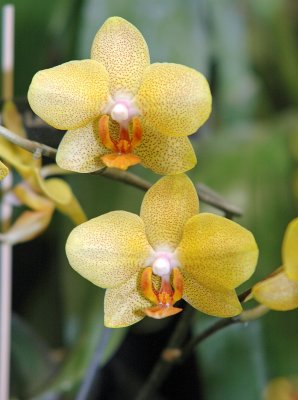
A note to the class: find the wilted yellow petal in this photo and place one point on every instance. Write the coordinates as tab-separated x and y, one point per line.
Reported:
281	389
12	120
31	199
81	150
70	95
61	194
121	48
290	250
163	154
123	305
213	300
166	207
108	249
175	99
29	225
10	154
216	250
277	292
3	171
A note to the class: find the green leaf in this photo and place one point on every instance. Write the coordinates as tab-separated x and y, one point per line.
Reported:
31	363
75	365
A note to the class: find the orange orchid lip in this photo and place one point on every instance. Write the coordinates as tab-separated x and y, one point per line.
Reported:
122	155
166	297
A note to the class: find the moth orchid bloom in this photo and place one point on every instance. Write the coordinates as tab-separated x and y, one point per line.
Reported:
118	109
280	290
41	196
169	252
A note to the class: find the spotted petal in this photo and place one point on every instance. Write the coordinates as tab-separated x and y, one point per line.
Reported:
290	250
70	95
175	99
165	209
277	292
124	304
121	48
163	154
214	300
216	250
109	249
80	150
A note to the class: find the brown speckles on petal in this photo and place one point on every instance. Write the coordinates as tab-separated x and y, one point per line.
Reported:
123	51
81	150
109	249
70	95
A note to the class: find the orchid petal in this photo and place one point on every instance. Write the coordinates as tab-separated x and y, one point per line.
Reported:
165	209
216	250
121	48
81	150
70	95
175	99
213	300
277	292
109	249
124	305
290	250
29	225
163	154
3	171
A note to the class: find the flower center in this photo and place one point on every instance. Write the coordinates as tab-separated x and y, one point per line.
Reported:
125	113
161	266
120	113
164	265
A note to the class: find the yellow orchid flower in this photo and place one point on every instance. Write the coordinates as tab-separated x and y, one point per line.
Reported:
118	109
170	252
40	195
281	389
280	290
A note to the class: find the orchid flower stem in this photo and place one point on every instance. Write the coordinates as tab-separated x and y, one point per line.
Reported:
206	194
27	144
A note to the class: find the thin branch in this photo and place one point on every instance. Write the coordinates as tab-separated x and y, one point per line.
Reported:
212	198
217	326
27	144
126	177
205	194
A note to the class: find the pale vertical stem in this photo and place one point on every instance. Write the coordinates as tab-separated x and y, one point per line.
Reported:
6	210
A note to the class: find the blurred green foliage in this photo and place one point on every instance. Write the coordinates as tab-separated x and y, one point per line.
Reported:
248	49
